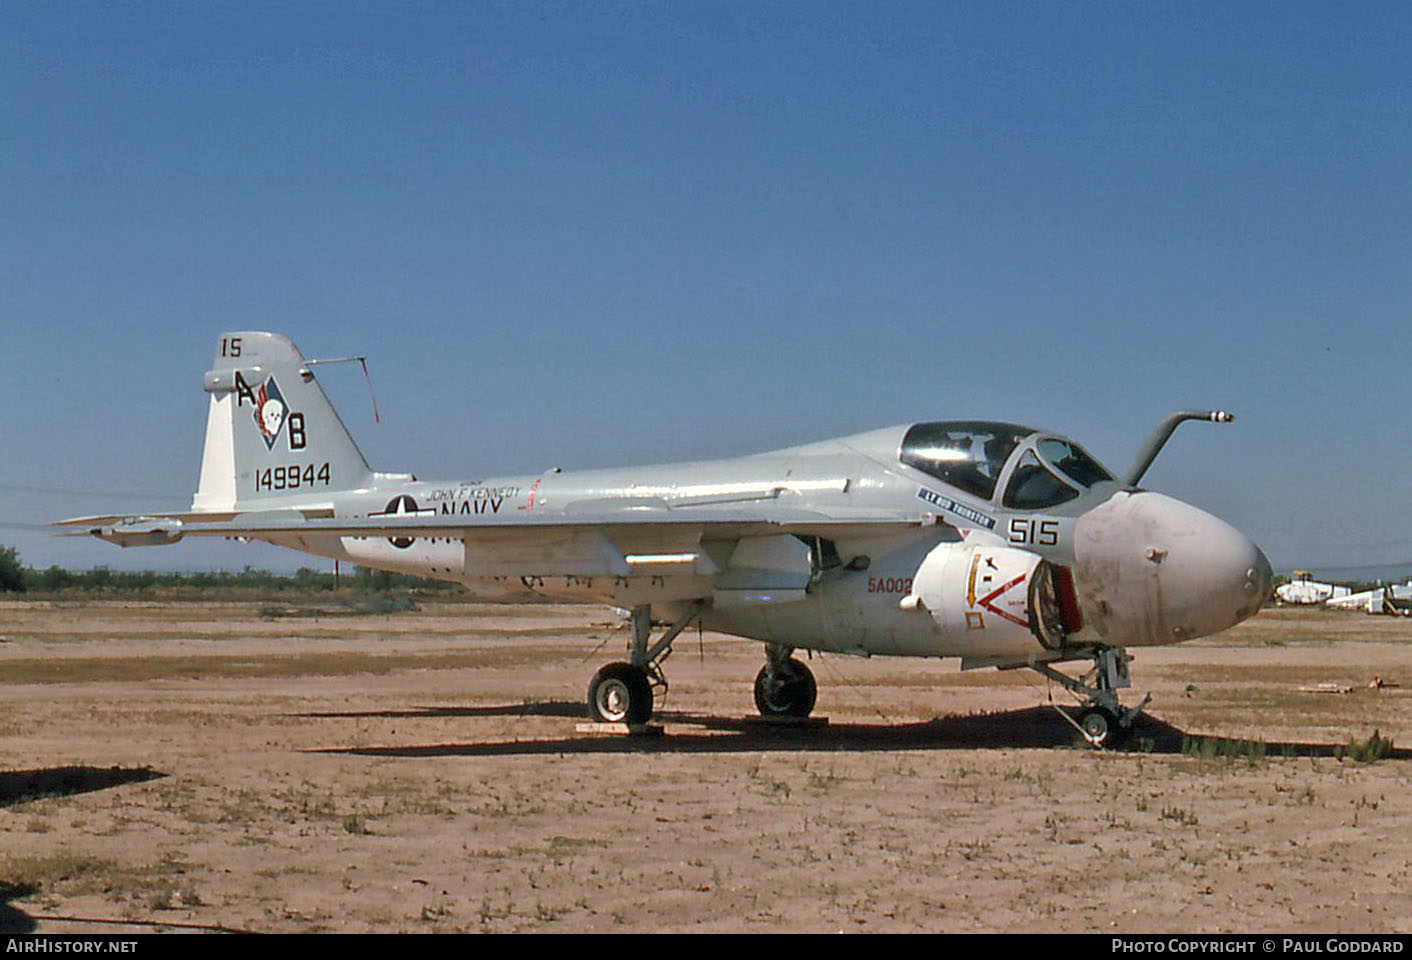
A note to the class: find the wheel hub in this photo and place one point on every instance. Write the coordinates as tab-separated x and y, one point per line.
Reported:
613	699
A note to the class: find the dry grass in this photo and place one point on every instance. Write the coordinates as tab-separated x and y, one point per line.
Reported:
70	874
115	669
420	772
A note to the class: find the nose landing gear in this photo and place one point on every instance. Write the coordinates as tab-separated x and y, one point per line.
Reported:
1103	721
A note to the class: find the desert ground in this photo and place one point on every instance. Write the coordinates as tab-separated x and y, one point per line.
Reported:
310	765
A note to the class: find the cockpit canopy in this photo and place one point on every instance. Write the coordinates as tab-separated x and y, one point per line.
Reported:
972	455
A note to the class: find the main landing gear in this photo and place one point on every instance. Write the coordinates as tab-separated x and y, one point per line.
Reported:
1102	719
624	692
784	687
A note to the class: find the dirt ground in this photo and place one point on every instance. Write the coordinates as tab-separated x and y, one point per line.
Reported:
307	767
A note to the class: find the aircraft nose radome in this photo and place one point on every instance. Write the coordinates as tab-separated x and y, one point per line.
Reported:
1156	570
1265	578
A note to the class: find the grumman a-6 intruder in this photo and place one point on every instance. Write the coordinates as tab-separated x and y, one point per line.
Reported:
999	544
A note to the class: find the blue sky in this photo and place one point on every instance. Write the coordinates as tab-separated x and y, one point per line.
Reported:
599	234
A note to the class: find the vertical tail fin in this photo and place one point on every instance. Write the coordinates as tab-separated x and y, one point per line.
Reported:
271	434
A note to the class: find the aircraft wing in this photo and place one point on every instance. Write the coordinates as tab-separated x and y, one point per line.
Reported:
603	538
322	522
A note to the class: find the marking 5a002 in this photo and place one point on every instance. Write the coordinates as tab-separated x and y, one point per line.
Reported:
292	477
1039	533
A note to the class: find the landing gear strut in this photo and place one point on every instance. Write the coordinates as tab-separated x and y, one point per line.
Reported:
1102	719
784	687
623	692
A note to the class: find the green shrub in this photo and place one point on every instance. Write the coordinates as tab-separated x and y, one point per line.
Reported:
1370	750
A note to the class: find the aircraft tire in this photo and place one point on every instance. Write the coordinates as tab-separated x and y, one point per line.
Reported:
1101	726
620	693
792	694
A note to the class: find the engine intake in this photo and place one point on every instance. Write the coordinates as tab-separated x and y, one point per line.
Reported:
1001	598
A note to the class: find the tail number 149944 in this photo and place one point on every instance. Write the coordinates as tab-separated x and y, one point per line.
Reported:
292	477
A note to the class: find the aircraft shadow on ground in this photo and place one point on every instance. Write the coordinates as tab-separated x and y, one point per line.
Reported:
1038	727
551	708
23	786
702	733
12	919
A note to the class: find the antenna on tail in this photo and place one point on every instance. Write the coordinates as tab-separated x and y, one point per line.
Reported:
305	372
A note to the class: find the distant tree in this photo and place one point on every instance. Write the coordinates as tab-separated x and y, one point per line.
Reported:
12	575
55	578
97	578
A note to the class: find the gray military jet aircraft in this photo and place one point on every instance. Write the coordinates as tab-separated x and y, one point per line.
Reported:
999	544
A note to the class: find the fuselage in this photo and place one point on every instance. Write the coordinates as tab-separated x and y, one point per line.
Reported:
1008	543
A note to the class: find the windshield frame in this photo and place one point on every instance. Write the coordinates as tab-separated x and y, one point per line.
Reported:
1062	481
1082	456
1033	445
